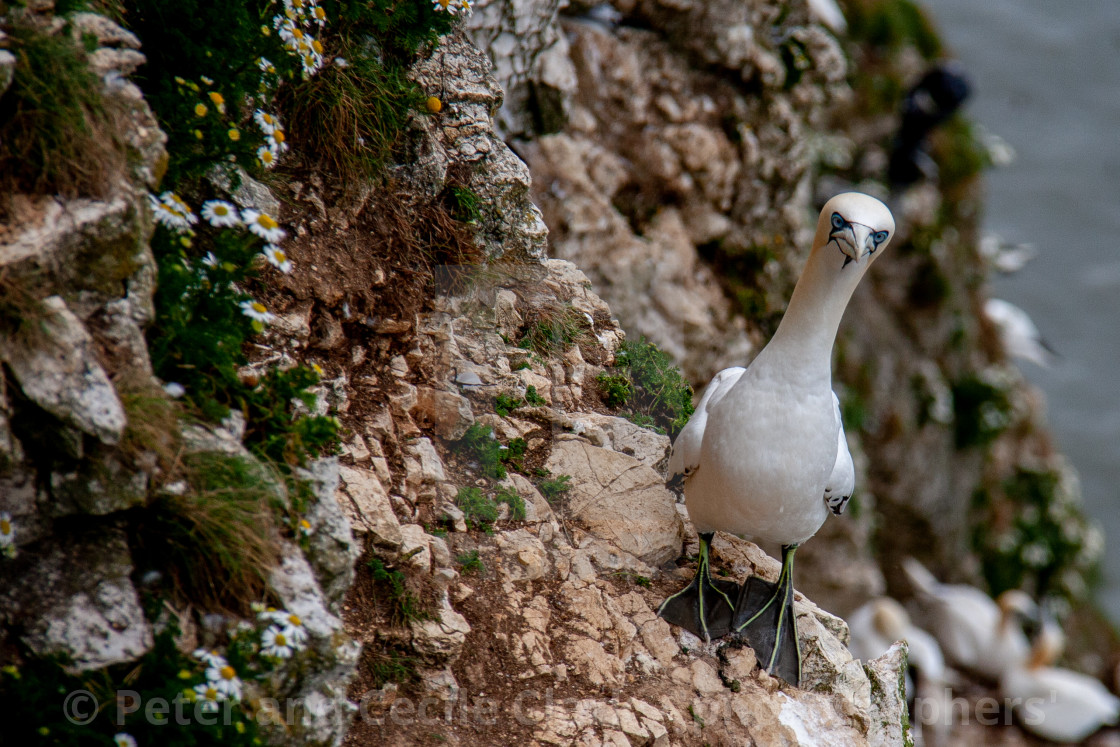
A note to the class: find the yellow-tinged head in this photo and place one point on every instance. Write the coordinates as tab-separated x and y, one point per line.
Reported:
856	226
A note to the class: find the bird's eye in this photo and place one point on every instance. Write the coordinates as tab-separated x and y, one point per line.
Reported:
838	221
879	237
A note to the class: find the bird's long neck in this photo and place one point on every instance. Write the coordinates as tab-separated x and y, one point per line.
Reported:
808	330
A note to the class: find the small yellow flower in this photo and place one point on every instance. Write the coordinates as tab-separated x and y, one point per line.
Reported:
185	674
266	31
434	104
278	136
320	14
200	110
218	99
317	368
297	33
234	134
316	46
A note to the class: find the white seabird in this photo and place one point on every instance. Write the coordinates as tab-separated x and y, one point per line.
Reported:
1058	704
1018	334
976	632
772	459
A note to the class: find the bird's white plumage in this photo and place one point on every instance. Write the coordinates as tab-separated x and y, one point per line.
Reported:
878	624
1058	704
769	442
828	13
974	631
842	482
686	448
1017	332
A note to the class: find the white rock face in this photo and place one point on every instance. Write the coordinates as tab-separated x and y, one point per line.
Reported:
619	499
59	372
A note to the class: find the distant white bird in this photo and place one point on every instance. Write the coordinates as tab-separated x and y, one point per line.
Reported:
1058	704
1005	257
875	627
769	450
1017	333
828	13
975	632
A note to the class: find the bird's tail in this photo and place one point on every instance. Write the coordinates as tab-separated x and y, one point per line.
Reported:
922	580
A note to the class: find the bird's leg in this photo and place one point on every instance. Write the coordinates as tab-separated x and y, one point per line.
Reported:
764	616
705	606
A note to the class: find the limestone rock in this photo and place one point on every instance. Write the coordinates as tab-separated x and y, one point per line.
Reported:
619	499
367	505
448	412
76	599
332	549
888	714
59	372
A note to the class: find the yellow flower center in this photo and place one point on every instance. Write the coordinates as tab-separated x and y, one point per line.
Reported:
281	258
260	308
294	619
198	134
5	527
434	104
444	3
303	523
221	210
321	14
234	134
267	222
200	110
317	46
281	640
267	118
217	98
297	33
211	694
227	671
278	136
266	157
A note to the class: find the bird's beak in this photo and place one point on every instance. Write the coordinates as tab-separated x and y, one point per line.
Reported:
855	242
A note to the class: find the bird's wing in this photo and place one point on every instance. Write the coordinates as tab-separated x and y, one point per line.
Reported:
842	482
685	458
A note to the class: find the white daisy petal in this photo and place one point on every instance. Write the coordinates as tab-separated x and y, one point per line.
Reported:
277	258
263	225
220	213
256	311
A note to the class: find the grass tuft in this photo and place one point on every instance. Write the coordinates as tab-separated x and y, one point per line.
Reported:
651	386
391	587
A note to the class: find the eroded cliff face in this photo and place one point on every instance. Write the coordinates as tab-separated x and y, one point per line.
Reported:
484	557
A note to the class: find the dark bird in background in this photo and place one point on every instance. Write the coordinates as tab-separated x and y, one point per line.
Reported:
934	99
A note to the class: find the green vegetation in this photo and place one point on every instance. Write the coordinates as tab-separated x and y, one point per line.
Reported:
390	587
218	540
550	331
481	446
465	205
893	25
1031	533
57	135
533	398
504	404
981	409
552	488
513	499
650	385
389	664
37	687
469	563
479	511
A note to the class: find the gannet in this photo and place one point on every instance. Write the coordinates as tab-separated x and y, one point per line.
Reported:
1058	704
874	629
1017	333
975	632
772	458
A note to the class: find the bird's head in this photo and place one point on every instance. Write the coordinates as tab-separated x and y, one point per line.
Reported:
857	226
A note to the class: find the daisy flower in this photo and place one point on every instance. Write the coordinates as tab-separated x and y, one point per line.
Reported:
210	260
277	140
267	122
256	311
263	225
449	6
219	101
265	66
289	623
225	681
212	659
124	740
266	156
175	202
200	110
275	643
319	15
234	134
220	213
172	218
305	527
209	695
276	257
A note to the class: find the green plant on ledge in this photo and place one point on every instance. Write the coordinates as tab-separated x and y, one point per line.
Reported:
650	385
